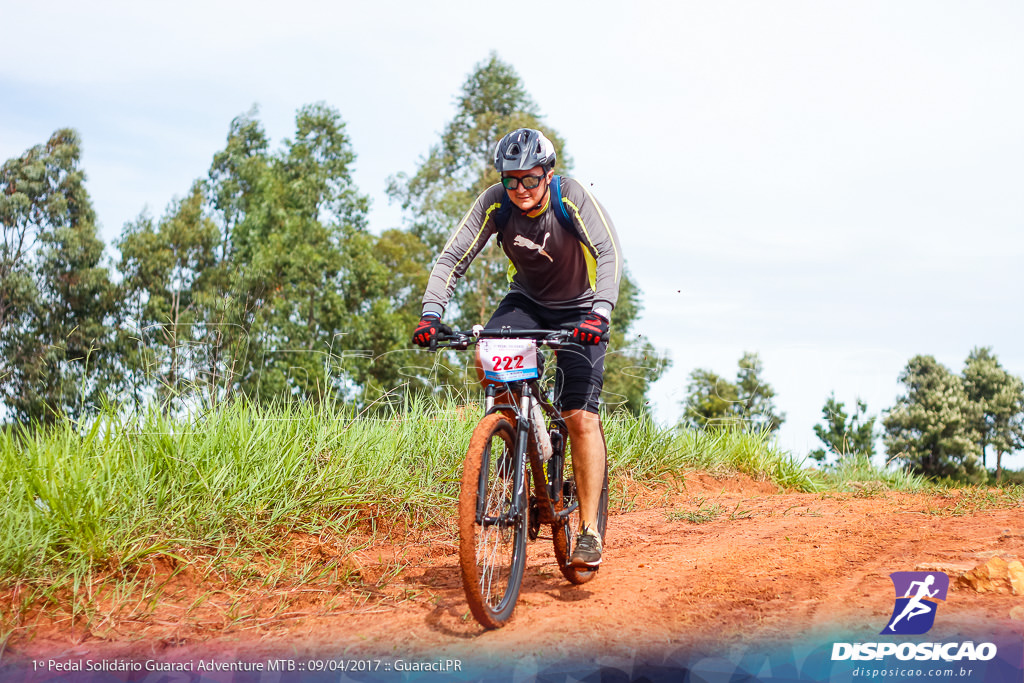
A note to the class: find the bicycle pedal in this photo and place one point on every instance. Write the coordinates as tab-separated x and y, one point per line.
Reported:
585	567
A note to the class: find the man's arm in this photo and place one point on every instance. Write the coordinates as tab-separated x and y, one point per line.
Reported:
475	228
597	232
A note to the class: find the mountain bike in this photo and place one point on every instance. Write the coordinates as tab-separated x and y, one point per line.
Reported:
515	477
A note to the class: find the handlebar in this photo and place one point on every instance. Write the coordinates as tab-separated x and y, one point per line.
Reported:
460	339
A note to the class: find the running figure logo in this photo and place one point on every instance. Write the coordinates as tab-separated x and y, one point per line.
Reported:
916	596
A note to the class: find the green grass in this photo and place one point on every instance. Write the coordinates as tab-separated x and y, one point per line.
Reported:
866	478
94	504
701	515
972	500
78	497
643	450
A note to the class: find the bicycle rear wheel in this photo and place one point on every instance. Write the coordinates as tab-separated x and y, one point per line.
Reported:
564	533
492	546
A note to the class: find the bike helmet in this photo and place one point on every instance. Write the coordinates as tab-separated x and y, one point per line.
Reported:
522	150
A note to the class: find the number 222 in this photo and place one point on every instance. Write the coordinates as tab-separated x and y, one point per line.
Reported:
507	360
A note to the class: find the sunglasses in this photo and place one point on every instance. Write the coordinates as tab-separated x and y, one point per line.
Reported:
530	182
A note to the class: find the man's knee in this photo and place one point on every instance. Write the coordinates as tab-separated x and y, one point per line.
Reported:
582	418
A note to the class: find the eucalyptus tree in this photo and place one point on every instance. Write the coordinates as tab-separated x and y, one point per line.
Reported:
296	242
458	167
711	401
756	405
748	403
264	271
169	276
56	296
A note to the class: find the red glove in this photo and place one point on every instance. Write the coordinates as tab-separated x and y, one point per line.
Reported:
427	330
591	330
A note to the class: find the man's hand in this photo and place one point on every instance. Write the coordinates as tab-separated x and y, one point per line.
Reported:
427	330
591	330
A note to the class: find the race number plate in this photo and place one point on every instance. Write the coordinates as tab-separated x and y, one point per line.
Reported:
508	360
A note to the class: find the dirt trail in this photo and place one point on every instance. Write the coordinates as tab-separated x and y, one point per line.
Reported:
770	565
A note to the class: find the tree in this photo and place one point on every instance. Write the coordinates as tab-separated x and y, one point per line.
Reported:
845	436
631	365
756	404
167	278
747	403
296	246
999	398
56	299
385	276
932	427
265	274
457	169
711	401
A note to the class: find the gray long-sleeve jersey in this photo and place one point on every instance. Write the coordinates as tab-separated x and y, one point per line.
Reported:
550	265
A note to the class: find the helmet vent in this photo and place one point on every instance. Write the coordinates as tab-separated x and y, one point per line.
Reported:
524	149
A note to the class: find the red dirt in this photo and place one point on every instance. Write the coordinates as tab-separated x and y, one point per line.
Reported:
772	566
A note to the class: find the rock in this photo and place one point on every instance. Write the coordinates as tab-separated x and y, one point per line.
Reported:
952	569
1016	572
991	576
989	554
1017	613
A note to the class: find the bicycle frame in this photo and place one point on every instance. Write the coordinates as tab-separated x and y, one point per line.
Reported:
523	393
500	507
527	392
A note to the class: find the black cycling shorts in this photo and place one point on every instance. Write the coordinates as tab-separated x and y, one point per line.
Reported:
579	372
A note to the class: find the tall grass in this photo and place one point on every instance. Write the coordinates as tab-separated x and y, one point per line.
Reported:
81	497
643	450
75	497
98	502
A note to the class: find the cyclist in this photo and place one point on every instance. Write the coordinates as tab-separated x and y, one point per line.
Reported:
557	277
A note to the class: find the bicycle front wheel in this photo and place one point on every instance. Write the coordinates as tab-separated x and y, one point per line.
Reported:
492	543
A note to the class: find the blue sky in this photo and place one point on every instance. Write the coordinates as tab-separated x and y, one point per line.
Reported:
838	186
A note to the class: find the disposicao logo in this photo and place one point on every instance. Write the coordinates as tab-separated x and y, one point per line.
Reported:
917	594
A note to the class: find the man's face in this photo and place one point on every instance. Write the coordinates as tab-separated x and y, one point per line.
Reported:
525	199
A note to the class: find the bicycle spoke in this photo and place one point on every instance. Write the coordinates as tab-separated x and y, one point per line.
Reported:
492	548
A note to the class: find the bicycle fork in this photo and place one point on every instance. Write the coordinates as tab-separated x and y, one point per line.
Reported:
516	508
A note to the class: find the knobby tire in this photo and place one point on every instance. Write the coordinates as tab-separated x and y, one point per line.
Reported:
492	557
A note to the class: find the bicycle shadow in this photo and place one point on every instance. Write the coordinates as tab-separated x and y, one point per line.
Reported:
543	584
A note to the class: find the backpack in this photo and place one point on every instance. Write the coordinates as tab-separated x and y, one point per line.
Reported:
503	213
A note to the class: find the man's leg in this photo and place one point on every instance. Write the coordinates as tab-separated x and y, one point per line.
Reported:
580	379
588	461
